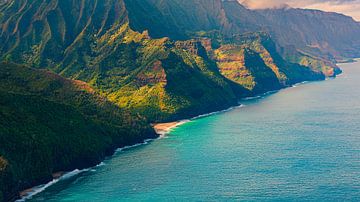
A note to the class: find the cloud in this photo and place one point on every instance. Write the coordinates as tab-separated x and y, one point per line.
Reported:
262	4
347	7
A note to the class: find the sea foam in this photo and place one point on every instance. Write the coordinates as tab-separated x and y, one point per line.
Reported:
38	189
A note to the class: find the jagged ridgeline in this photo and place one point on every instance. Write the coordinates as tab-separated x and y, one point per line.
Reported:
107	44
312	32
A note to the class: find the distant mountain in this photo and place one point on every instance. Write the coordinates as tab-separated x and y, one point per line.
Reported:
322	34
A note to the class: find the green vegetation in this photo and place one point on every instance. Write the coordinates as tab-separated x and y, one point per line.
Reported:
252	61
159	78
50	124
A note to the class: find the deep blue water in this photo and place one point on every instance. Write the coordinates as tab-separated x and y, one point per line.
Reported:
301	143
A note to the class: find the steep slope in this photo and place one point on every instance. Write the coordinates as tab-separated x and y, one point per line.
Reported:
49	30
187	19
180	19
50	124
321	34
173	18
95	41
92	41
250	59
325	35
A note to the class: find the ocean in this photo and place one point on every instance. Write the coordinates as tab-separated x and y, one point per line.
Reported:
298	144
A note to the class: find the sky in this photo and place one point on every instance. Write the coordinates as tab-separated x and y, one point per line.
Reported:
347	7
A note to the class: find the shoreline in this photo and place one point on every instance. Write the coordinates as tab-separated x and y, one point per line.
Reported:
29	193
162	129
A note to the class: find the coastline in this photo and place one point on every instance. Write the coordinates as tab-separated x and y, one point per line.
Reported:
162	129
29	193
227	136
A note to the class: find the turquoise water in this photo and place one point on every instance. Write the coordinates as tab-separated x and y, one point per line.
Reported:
301	143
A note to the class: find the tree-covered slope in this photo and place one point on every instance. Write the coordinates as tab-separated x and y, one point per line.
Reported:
50	124
252	59
180	19
320	34
160	78
93	42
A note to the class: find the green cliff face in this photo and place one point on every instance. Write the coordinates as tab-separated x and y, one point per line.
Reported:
160	78
252	61
325	35
95	44
50	124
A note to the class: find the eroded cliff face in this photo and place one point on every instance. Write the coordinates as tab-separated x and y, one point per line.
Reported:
159	77
176	19
251	59
45	33
312	32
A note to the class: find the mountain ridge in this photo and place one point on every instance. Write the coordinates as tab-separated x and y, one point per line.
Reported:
338	36
116	60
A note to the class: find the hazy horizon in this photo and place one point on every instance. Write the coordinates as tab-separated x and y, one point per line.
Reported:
346	7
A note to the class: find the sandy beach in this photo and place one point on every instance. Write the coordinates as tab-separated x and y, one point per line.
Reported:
163	128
